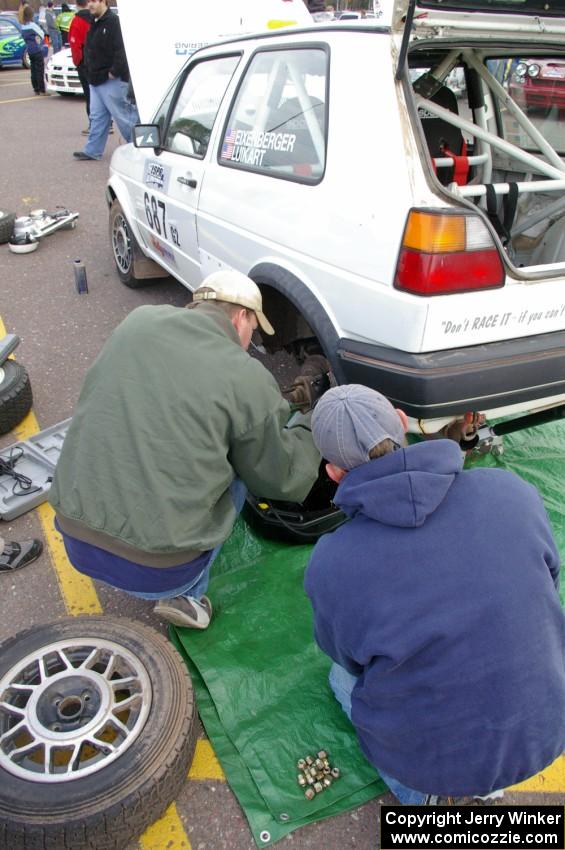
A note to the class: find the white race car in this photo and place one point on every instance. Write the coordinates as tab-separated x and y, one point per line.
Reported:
61	75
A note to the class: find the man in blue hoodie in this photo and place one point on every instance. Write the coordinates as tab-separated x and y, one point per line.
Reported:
437	603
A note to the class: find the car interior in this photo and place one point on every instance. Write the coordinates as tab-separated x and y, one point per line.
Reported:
489	146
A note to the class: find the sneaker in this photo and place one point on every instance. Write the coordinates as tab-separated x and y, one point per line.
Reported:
85	132
18	555
111	130
490	798
182	611
487	800
81	156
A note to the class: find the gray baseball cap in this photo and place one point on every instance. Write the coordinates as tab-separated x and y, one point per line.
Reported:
350	420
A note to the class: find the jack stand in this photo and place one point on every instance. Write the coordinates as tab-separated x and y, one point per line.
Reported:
488	442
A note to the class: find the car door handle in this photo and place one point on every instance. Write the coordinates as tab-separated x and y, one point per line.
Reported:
187	181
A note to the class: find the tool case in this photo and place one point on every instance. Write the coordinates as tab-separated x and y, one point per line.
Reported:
27	468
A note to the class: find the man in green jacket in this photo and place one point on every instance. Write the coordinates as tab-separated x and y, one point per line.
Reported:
63	22
174	421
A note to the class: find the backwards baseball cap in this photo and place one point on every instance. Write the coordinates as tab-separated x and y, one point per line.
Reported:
235	288
350	420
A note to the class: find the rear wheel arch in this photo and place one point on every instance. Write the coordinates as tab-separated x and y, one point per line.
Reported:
294	311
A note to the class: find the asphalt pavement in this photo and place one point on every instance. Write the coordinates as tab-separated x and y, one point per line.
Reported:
61	333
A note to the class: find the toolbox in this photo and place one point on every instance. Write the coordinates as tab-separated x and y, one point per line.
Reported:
26	470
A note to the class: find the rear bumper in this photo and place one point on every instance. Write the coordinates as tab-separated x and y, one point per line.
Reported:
445	383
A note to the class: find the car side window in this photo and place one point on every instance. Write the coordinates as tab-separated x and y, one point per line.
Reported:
277	125
197	105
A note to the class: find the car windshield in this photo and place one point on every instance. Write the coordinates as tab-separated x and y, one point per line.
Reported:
8	29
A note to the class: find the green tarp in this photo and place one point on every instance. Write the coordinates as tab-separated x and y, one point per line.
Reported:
261	682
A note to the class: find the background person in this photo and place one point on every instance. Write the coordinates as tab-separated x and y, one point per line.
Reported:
78	30
174	421
34	38
14	556
108	73
53	30
63	21
437	603
21	7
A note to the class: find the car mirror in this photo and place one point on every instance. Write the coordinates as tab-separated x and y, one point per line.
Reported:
147	136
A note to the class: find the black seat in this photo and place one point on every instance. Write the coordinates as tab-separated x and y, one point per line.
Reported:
441	135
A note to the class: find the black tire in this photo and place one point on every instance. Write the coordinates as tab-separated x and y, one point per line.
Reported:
117	800
26	61
7	220
16	397
125	248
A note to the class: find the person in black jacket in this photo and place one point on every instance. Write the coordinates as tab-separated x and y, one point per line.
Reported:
108	75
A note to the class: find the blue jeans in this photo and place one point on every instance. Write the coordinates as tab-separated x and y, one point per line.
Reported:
109	100
199	585
342	684
56	40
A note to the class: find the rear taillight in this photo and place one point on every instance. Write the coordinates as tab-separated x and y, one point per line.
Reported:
443	253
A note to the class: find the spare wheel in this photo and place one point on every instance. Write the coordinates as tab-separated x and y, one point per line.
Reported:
15	394
97	732
7	220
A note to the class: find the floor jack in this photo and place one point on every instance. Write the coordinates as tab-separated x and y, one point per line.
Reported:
489	438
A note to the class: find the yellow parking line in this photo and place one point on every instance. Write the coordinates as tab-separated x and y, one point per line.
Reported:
166	834
548	780
80	597
205	765
78	591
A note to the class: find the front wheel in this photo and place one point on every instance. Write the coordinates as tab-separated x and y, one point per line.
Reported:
124	247
97	732
26	61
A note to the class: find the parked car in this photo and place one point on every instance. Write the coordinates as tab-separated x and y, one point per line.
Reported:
61	76
539	83
12	46
376	226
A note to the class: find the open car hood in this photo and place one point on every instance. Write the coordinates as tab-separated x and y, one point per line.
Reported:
491	19
187	26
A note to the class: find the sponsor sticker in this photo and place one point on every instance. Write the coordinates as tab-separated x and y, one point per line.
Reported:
162	250
156	174
249	146
187	48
